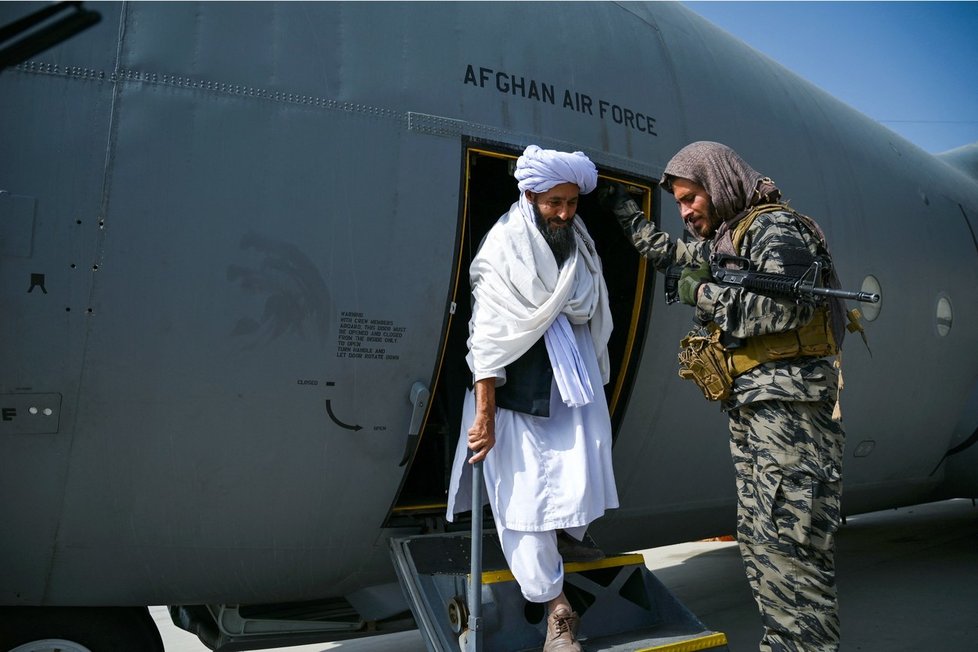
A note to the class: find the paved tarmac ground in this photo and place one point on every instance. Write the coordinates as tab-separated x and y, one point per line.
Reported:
908	581
907	578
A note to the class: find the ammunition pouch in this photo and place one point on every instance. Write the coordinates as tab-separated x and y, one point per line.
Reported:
813	340
703	360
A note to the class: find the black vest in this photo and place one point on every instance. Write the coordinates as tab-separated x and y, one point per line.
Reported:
528	382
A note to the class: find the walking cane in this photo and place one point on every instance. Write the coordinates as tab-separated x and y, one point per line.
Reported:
471	638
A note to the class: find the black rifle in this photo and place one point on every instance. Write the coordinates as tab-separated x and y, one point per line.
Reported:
801	288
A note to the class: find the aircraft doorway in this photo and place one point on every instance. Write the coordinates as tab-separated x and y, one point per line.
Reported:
489	191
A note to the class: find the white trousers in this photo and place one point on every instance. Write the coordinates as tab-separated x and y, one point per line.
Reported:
534	561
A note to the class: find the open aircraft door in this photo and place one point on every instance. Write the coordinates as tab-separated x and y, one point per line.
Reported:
489	190
621	604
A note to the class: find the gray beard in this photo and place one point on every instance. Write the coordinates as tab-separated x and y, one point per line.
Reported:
560	240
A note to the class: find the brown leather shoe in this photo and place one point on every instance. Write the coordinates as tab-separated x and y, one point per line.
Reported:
562	631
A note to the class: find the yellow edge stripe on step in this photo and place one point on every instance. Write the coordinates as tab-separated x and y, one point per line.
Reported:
692	645
495	577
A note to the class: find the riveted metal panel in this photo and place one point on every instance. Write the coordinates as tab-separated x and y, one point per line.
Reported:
29	414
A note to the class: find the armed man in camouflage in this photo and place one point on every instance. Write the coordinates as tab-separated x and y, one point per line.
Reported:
786	445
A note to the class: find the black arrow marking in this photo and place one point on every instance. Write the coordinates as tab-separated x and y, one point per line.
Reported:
329	411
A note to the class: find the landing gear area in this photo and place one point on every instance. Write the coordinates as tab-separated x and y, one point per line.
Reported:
78	629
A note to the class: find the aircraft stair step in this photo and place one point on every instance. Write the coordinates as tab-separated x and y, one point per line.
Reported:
622	606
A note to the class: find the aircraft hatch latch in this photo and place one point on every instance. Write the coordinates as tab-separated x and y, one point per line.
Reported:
419	397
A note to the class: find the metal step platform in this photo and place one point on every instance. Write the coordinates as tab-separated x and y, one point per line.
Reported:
622	606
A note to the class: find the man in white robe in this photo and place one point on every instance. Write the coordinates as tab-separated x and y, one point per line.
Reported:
537	280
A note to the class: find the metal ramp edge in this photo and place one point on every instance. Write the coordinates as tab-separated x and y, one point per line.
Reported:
622	606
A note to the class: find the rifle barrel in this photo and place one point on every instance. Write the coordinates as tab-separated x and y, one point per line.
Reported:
865	297
785	286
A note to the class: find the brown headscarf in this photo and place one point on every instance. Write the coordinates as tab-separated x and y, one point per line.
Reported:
735	187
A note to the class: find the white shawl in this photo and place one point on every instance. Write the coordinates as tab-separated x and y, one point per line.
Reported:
570	371
518	291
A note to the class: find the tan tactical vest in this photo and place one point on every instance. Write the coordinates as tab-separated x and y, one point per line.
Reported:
814	339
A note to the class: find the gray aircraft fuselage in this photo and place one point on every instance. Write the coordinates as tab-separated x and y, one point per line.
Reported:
234	236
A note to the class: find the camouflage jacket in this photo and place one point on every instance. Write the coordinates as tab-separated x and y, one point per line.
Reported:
776	243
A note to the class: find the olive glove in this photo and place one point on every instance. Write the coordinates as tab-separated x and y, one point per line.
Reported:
689	282
614	198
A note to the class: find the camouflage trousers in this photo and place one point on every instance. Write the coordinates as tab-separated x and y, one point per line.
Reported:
788	459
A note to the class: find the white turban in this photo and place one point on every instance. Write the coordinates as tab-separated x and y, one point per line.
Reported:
539	170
